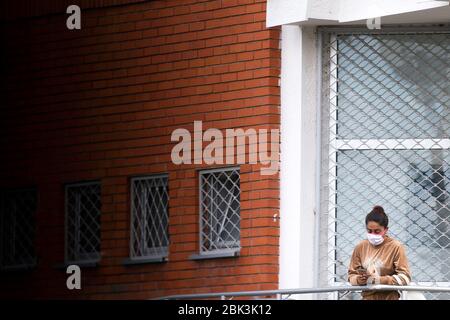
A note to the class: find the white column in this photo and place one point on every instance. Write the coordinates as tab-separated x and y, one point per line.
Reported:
298	153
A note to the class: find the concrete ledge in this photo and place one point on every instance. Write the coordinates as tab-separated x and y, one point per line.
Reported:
137	261
218	255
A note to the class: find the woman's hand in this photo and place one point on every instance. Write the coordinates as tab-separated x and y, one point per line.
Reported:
362	279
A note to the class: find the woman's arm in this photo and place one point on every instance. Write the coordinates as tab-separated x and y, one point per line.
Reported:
402	275
354	277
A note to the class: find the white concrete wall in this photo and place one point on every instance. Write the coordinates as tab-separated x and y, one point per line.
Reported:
298	157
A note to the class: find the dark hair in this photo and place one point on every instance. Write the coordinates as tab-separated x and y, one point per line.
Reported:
378	215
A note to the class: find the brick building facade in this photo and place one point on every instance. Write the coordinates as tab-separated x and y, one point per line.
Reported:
100	104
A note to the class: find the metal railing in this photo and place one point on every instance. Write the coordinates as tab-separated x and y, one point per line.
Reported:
289	292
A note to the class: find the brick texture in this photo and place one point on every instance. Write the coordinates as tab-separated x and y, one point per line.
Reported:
102	102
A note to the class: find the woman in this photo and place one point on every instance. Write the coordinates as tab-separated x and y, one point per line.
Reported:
379	259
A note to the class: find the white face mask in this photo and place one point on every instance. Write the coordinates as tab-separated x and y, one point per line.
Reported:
375	239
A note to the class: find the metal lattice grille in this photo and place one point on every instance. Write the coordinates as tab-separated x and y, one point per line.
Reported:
17	228
385	137
149	218
83	210
219	210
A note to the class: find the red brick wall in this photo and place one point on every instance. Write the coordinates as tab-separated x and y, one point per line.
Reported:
18	9
102	102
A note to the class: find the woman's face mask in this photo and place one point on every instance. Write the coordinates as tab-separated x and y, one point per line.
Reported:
375	239
374	234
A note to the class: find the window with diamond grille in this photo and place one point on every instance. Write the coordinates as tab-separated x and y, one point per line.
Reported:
83	209
149	217
17	228
385	140
219	210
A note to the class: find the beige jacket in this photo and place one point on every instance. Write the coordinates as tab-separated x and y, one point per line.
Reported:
387	263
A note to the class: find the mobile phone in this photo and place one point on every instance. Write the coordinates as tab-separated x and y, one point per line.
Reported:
361	270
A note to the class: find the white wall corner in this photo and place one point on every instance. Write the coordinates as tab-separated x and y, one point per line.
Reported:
279	12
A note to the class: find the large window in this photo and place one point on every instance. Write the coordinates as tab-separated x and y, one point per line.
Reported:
83	209
17	228
385	138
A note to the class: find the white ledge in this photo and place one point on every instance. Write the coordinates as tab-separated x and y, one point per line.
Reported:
319	12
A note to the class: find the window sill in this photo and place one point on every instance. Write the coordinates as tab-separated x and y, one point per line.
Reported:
137	261
216	255
22	268
81	264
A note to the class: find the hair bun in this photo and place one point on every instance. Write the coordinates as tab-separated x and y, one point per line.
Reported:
378	209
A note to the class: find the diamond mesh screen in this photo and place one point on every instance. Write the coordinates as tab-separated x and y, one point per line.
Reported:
83	209
149	220
385	137
17	228
220	210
